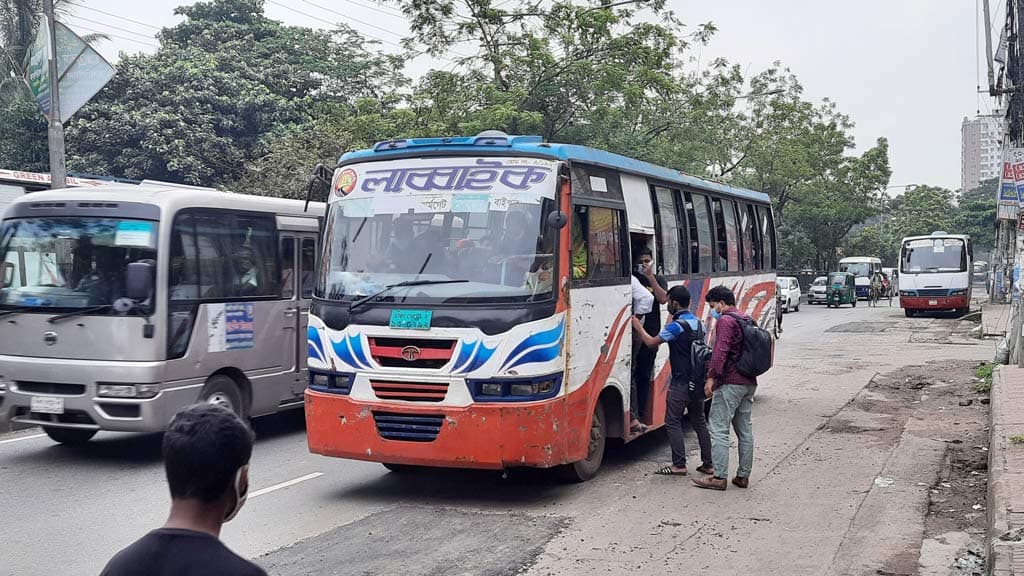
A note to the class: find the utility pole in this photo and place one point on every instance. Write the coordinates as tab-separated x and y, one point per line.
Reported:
55	132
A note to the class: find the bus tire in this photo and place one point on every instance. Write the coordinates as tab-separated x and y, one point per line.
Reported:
587	468
222	390
69	436
909	312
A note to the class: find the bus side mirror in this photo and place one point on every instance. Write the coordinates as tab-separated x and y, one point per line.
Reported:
140	279
557	220
6	275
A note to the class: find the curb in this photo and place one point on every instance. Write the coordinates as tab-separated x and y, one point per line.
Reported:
1005	501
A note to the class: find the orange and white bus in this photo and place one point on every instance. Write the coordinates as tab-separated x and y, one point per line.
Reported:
473	299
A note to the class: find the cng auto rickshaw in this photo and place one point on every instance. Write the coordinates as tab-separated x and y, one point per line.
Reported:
842	289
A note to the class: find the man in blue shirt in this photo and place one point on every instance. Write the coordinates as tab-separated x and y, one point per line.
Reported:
683	393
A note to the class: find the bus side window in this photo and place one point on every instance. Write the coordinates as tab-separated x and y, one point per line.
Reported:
747	242
701	244
597	249
721	238
307	267
752	236
767	236
667	228
287	266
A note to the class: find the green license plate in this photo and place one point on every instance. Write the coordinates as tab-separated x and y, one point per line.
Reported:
411	319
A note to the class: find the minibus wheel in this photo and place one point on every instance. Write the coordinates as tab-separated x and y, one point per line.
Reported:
69	436
222	391
587	468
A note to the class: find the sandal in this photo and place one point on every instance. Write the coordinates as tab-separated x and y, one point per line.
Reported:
709	470
670	471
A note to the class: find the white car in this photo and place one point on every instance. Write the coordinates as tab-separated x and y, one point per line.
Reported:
818	291
788	293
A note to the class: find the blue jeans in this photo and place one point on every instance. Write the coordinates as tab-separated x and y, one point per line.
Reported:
732	403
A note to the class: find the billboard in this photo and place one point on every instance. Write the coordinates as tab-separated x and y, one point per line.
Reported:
81	71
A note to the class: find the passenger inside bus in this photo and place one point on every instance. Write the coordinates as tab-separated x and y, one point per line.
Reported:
249	281
105	283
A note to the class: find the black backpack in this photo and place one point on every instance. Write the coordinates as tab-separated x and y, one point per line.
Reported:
756	357
700	354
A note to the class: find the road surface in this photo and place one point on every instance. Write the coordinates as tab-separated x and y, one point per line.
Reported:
808	511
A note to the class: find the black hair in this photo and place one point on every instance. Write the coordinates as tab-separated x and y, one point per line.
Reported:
680	295
721	294
204	447
644	251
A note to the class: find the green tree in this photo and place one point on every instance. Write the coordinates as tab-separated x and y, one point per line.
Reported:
923	210
976	215
225	82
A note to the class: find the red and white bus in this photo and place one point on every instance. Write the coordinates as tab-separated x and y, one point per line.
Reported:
473	301
935	273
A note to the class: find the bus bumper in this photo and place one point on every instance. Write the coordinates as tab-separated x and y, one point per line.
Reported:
483	436
73	385
938	303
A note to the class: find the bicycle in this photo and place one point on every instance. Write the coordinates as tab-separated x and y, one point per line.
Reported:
874	295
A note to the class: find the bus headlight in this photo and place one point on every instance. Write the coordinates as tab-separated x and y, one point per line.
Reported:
332	382
958	292
127	390
909	293
5	385
518	390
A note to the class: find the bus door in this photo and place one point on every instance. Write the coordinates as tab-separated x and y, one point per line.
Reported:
307	247
290	293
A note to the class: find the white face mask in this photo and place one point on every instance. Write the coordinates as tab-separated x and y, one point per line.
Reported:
240	495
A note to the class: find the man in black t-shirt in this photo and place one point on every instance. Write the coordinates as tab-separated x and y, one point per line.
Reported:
644	356
206	456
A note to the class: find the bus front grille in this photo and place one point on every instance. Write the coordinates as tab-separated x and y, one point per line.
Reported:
411	352
409	391
408	427
933	292
57	388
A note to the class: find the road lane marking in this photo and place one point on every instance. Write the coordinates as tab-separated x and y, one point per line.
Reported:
293	482
20	438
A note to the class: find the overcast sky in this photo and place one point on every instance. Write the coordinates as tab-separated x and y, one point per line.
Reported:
903	69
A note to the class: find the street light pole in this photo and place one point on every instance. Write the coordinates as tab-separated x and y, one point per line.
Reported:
55	131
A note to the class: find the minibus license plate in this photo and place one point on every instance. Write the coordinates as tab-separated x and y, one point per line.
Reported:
411	319
47	405
933	302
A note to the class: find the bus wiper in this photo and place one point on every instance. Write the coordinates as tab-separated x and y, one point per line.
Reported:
366	299
17	310
79	312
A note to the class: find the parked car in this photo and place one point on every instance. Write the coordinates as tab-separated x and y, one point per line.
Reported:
817	294
789	293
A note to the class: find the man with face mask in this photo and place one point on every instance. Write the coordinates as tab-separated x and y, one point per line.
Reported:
731	393
683	392
206	456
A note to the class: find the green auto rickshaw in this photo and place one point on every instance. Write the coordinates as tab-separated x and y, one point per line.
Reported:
842	289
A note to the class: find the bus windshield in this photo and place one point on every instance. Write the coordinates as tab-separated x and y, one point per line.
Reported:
859	269
496	243
934	256
70	262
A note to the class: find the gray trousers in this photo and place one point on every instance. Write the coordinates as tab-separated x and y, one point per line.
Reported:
732	404
682	399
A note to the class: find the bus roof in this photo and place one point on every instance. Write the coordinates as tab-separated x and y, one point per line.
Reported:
934	235
170	197
535	146
855	259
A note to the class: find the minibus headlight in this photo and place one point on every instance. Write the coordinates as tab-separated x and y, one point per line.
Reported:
5	385
958	292
116	390
906	293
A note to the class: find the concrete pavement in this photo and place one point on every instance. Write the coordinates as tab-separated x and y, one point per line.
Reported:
1006	473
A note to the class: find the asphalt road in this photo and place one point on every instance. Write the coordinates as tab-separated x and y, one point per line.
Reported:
67	510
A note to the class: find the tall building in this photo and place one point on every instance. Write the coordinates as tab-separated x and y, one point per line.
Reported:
980	155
